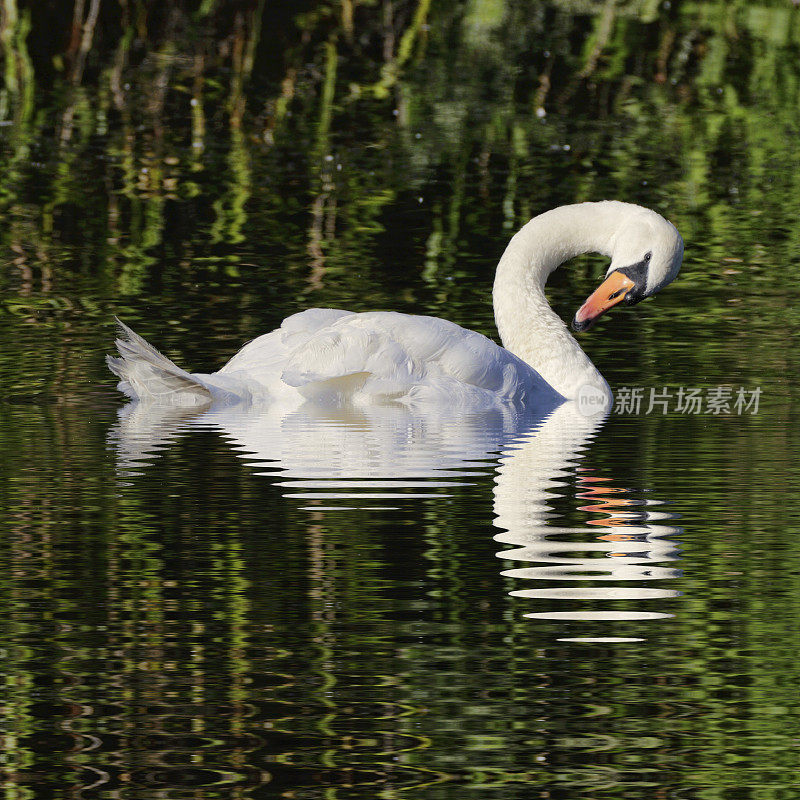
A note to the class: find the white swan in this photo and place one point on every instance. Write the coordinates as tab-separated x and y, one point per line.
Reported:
327	355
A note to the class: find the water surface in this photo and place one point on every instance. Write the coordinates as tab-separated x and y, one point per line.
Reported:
383	603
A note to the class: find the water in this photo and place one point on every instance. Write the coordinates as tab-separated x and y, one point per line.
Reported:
336	604
227	602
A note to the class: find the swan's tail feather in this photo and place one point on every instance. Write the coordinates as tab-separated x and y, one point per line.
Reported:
146	374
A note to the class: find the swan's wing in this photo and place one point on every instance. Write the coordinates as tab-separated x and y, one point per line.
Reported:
386	355
327	355
264	358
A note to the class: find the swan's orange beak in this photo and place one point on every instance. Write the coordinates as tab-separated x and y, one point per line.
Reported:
610	292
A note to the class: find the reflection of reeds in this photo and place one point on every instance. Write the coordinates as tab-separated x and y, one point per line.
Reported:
81	38
17	96
325	80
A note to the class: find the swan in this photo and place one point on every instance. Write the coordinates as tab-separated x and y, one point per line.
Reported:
327	355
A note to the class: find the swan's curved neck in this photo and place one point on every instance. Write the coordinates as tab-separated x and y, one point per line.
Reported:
528	327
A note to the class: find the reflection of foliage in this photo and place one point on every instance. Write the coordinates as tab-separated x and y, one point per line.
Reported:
700	99
229	164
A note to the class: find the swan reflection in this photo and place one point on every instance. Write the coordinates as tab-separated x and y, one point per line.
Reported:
632	544
384	456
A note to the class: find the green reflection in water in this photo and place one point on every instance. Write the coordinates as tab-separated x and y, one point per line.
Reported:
205	171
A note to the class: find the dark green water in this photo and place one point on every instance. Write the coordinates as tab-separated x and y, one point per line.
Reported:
382	604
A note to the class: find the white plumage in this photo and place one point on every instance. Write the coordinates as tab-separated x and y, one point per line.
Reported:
331	356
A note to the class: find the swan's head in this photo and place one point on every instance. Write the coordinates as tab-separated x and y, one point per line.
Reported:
646	254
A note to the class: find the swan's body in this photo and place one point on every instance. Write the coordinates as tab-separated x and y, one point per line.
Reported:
328	355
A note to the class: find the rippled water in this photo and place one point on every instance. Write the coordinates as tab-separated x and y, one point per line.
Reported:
231	603
240	603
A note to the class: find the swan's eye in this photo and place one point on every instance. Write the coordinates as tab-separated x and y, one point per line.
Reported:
647	258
